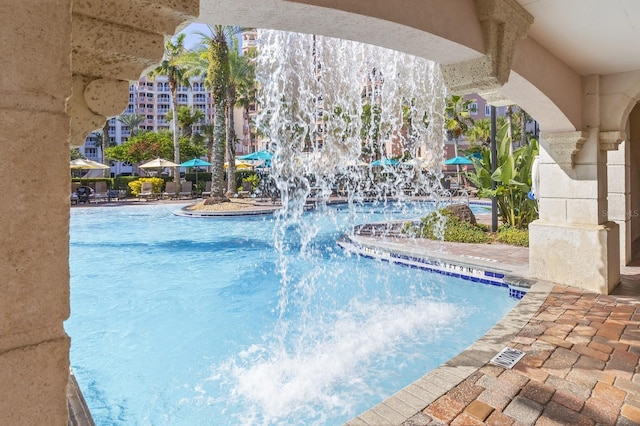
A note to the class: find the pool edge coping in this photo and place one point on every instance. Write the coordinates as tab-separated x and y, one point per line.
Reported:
414	398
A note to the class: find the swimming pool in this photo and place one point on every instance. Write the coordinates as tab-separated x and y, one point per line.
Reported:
183	321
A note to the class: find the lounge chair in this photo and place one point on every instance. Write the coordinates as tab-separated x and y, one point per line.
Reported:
74	195
207	189
146	191
170	190
84	193
185	190
101	191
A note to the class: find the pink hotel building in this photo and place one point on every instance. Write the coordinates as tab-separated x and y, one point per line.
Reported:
152	99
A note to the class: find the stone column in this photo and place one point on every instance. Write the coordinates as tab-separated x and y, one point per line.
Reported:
619	202
35	80
573	242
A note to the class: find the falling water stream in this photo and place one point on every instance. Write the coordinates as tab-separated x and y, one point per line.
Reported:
313	90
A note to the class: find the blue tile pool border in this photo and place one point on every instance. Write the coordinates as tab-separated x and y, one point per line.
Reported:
438	266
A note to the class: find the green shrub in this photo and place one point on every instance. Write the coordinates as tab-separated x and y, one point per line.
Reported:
136	185
431	227
254	180
513	236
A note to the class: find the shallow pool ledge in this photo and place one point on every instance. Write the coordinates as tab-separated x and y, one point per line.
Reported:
407	404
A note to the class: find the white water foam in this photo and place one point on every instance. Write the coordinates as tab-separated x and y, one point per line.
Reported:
326	375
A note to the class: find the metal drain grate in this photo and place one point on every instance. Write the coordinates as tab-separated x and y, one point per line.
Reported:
507	358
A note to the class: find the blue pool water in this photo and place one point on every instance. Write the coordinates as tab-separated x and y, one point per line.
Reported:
183	321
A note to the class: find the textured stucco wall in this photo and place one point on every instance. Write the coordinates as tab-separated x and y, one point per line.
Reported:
56	49
35	80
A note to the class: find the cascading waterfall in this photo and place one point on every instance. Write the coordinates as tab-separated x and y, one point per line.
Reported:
312	93
313	99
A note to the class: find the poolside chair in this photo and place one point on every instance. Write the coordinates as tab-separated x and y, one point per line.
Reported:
207	189
84	193
101	191
74	195
185	190
146	191
170	190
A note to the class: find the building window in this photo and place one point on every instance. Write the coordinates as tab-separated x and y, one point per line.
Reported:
473	108
487	110
90	152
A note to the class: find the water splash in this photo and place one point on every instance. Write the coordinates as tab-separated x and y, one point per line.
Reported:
329	108
312	383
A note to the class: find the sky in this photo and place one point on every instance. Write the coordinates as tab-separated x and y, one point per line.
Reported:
193	40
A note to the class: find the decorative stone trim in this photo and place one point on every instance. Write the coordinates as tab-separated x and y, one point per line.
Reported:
504	22
609	141
112	44
563	146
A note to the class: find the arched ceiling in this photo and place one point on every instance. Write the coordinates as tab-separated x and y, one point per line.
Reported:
568	39
590	36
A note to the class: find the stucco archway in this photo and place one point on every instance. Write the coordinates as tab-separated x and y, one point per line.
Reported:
91	49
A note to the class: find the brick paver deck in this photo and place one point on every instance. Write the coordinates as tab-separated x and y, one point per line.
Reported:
581	365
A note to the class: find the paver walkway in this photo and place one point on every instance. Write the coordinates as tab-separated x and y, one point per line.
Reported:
581	365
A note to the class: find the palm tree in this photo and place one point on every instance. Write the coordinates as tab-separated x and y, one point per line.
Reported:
102	141
208	131
187	117
241	72
132	121
458	118
247	89
173	68
214	66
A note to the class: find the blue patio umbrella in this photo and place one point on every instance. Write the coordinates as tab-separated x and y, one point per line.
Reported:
257	156
458	161
264	156
196	162
385	162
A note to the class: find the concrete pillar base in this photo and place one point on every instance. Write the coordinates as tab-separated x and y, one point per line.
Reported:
579	255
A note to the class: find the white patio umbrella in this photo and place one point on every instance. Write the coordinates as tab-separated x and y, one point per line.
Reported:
86	164
158	163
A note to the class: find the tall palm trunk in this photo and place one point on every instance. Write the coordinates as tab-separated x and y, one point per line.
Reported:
105	145
524	117
232	186
218	76
174	128
509	114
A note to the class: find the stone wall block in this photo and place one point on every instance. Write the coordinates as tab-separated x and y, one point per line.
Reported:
35	221
556	183
557	254
504	22
585	211
106	96
30	375
553	209
159	17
